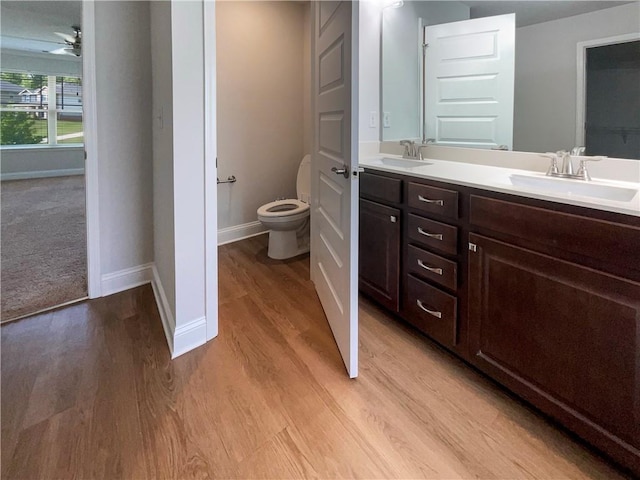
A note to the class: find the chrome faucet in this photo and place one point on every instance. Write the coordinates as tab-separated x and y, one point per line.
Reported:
566	171
567	163
411	150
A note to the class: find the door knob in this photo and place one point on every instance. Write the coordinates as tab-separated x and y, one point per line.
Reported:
344	171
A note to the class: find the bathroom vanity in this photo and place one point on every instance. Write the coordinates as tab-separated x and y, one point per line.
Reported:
537	289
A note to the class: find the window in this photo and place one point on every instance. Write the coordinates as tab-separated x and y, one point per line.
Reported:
40	109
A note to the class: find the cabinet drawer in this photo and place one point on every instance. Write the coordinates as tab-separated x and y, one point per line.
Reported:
432	267
431	310
433	234
381	187
433	200
614	243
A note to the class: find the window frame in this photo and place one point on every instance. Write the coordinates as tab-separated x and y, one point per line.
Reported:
51	109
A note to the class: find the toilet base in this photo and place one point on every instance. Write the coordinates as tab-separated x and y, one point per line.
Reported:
288	243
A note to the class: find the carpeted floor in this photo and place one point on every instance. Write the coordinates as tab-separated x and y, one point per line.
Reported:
44	249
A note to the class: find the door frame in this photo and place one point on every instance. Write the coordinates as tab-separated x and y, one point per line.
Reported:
91	165
581	76
210	171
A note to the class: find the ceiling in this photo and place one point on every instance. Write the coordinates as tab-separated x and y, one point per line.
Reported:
29	25
532	12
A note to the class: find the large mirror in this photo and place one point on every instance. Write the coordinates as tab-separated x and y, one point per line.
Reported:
576	72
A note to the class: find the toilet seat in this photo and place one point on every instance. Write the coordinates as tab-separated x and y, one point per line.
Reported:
283	208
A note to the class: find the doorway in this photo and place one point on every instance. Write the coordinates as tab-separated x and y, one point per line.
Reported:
263	72
44	247
612	100
267	100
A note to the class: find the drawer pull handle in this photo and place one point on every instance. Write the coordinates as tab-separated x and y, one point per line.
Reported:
428	200
430	312
437	236
430	269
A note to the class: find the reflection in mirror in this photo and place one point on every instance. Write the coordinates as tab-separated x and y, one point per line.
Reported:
612	119
468	82
549	103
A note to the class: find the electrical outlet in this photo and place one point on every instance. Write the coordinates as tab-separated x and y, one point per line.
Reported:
373	119
386	120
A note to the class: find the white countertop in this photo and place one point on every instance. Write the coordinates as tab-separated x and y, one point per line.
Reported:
497	179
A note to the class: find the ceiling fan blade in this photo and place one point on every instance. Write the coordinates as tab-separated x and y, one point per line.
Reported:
66	37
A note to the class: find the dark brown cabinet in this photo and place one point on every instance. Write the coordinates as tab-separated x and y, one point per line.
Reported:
379	244
542	297
563	336
432	311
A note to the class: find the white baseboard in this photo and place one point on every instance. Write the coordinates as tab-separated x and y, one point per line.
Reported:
240	232
168	322
125	279
41	174
180	339
189	336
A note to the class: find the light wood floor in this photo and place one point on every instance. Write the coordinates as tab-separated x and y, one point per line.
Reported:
89	391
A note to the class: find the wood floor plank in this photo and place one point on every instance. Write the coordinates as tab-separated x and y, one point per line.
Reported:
90	391
278	458
51	448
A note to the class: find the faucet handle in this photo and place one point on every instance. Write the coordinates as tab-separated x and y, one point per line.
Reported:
553	166
582	172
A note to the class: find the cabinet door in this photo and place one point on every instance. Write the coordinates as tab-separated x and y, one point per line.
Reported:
563	336
380	253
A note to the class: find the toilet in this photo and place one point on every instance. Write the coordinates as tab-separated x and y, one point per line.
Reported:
288	220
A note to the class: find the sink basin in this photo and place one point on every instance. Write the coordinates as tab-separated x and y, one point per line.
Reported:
403	162
575	187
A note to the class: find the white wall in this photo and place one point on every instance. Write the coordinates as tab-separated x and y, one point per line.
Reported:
162	121
177	51
401	58
307	131
188	165
369	69
123	79
261	94
545	85
41	161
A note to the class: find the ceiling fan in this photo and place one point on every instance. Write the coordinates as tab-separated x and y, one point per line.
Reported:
73	43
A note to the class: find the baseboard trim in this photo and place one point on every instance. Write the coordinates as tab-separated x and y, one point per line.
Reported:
168	322
41	174
189	336
125	279
180	339
240	232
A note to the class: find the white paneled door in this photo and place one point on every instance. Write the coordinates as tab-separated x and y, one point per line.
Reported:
469	78
334	181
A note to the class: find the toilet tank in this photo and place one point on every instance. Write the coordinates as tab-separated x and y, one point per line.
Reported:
303	183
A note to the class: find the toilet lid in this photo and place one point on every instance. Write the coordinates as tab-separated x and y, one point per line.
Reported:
303	182
283	208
